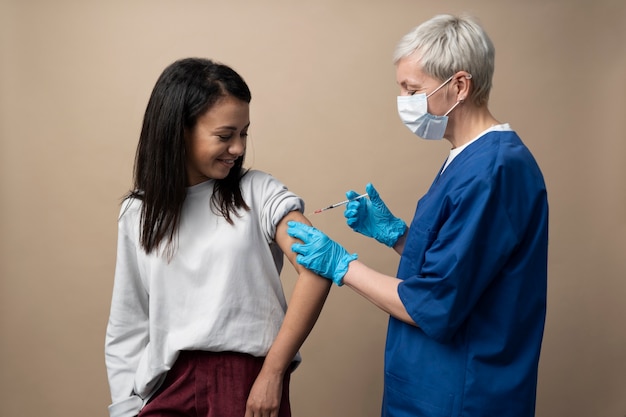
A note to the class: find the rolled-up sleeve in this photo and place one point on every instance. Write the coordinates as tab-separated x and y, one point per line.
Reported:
276	202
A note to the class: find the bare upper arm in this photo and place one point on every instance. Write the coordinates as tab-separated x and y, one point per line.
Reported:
284	240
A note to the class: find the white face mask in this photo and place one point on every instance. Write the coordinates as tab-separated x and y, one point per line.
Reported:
413	111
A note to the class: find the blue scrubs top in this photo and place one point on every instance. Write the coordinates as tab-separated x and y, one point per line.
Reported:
474	271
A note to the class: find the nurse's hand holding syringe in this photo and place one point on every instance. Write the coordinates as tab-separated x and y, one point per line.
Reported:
372	218
329	259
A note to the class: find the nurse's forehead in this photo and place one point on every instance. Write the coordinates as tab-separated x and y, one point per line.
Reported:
409	72
412	80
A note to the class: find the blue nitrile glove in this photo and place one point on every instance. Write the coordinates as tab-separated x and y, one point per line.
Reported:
319	253
372	218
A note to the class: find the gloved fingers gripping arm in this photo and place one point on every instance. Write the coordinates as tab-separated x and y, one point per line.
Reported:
322	255
372	218
319	253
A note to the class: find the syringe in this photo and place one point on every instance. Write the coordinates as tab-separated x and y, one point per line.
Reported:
332	206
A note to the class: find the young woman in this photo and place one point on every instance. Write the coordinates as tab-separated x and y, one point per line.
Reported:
199	324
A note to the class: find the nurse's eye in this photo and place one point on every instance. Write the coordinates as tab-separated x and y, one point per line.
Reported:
225	138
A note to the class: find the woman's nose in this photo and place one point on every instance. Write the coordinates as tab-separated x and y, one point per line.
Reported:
238	146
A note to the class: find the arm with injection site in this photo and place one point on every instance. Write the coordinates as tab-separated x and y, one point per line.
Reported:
305	305
329	259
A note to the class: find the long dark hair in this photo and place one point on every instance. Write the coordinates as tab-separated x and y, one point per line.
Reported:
185	90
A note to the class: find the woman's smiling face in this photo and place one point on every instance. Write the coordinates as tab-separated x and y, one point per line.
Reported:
217	140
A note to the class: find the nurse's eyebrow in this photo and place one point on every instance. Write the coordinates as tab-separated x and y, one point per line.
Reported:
409	83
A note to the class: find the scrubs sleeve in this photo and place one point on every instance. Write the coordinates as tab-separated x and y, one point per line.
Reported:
127	329
468	250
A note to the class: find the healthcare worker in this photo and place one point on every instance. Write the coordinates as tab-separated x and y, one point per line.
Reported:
467	307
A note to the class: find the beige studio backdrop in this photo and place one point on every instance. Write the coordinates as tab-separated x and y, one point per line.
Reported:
75	77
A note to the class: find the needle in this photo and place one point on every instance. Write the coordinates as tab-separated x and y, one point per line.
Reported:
332	206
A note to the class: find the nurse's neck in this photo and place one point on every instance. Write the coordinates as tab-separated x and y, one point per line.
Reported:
468	123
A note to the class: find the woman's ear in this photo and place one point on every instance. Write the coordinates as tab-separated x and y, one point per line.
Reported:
463	83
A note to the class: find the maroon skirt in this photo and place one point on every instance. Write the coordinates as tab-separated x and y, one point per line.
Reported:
210	384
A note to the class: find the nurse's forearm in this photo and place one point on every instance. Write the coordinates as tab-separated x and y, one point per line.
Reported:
379	289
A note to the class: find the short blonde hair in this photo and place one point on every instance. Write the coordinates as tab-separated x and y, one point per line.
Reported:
447	44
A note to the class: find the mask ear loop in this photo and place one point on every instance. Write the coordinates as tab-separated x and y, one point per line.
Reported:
441	86
461	100
453	107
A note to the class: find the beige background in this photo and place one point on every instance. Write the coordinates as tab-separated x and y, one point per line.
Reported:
74	81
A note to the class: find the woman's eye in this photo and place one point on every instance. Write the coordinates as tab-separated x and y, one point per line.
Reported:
225	138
